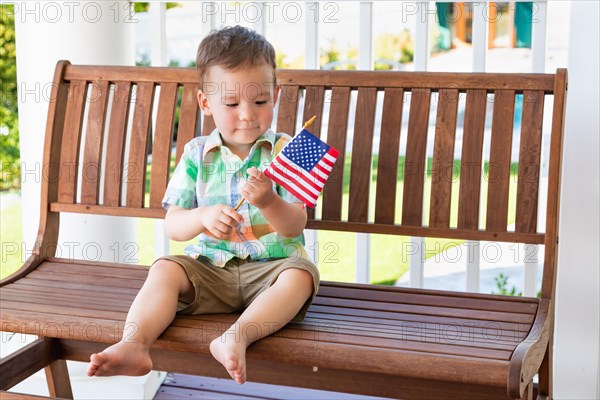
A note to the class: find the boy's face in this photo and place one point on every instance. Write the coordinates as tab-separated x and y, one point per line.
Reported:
241	103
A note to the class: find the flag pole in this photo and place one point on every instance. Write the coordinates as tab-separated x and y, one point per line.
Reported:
305	126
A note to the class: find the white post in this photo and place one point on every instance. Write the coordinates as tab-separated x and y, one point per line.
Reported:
416	261
365	41
259	22
538	36
209	20
363	258
158	58
530	265
311	58
422	37
158	34
311	61
480	44
576	347
480	36
421	58
365	62
473	265
84	32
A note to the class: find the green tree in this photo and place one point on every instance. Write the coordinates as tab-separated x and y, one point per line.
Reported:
143	6
9	122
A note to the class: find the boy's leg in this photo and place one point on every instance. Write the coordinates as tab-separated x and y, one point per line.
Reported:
270	311
150	314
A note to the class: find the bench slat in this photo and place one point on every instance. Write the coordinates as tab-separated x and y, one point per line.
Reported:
414	166
69	159
188	119
529	161
313	106
49	291
442	299
376	79
161	145
393	318
482	315
470	165
42	283
94	138
360	170
337	130
115	146
387	165
288	110
138	149
91	270
85	280
443	159
476	332
499	168
63	304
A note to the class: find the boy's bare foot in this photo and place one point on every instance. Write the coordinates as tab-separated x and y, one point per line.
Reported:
232	354
123	358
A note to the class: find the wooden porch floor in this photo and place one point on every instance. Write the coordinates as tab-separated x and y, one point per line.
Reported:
180	386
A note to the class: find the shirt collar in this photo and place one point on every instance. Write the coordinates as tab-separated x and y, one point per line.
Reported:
214	141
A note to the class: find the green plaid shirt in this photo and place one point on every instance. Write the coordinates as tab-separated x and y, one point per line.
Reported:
208	174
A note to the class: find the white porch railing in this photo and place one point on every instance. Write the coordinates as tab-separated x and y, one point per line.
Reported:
424	13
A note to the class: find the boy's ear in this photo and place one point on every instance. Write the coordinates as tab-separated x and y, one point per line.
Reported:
203	103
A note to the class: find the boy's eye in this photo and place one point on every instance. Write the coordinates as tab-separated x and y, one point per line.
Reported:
231	104
261	102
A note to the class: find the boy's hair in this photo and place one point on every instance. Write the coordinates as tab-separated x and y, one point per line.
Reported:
232	48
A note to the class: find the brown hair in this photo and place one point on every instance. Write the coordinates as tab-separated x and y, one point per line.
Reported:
232	48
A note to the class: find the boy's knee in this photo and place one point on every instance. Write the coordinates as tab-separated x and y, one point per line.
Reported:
298	275
166	268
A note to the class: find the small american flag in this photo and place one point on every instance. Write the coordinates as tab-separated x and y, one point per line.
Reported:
303	166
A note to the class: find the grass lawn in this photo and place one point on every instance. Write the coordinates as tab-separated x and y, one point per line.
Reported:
11	236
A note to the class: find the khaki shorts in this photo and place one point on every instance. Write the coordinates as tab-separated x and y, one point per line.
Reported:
233	287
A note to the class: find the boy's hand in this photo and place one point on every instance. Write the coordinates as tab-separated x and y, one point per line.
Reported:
258	191
220	220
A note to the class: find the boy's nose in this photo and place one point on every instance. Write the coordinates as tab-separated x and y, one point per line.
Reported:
247	113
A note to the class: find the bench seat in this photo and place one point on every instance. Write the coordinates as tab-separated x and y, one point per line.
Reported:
411	337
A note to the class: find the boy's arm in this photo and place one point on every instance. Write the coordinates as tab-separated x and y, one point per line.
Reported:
182	224
288	219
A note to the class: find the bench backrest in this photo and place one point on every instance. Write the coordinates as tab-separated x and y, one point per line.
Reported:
105	121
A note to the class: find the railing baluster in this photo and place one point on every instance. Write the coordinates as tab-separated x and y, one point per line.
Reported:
311	61
158	54
538	36
365	62
480	44
422	37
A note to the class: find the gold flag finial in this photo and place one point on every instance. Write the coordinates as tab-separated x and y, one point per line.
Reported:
309	122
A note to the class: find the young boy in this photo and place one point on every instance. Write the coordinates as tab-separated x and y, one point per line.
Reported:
242	261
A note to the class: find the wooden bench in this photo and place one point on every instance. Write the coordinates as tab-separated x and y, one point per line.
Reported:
364	339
